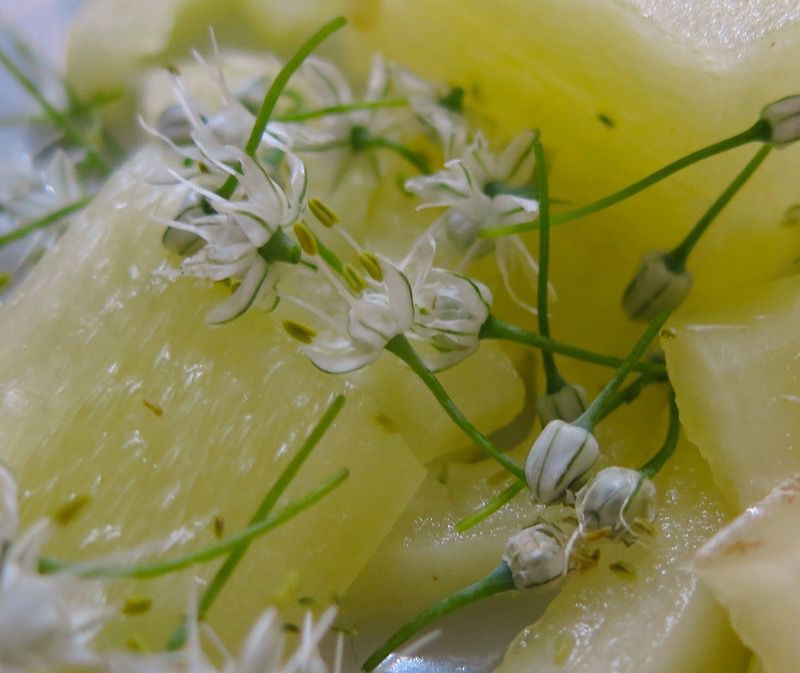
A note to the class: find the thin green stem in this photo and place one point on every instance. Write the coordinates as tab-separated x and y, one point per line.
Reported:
274	93
758	132
333	110
677	257
652	466
553	380
43	222
401	347
221	548
594	412
494	328
498	581
494	505
262	512
416	159
58	118
629	393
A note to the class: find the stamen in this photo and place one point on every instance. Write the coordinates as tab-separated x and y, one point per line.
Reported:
296	330
305	237
327	218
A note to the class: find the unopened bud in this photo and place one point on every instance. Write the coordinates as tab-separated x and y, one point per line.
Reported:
655	287
565	405
614	500
561	454
535	556
783	117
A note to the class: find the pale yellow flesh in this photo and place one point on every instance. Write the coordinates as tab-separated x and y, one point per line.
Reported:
94	337
735	370
751	565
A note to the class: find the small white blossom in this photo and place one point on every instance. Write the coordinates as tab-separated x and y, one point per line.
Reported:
535	556
45	620
567	404
366	323
655	287
483	187
561	454
449	309
783	117
615	499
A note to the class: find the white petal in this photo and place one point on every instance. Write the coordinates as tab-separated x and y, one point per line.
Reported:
9	514
244	296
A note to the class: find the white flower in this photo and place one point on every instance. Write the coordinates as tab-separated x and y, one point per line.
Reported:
262	652
567	404
783	117
561	454
535	556
482	187
655	287
615	499
366	322
449	309
45	620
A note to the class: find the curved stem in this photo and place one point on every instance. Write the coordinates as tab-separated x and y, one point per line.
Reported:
231	543
262	512
43	222
498	581
342	109
401	347
629	393
759	131
677	257
58	118
594	412
652	466
494	505
416	159
553	380
494	328
274	92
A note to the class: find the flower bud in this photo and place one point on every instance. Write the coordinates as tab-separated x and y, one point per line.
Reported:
565	405
783	117
614	499
655	287
561	454
535	556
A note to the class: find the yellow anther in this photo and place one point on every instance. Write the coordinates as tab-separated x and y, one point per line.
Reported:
296	330
371	265
327	218
305	237
5	280
623	570
354	278
67	512
136	605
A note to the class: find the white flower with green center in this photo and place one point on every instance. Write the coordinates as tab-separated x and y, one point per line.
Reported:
370	316
46	621
449	309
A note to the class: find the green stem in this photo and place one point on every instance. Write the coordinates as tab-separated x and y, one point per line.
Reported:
594	412
490	507
262	512
553	380
629	393
494	328
274	93
416	159
43	222
498	581
343	109
401	347
652	466
676	258
758	132
229	544
58	118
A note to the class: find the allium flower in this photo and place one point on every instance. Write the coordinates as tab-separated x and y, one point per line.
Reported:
368	319
567	404
561	454
45	620
535	556
783	117
449	309
614	500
